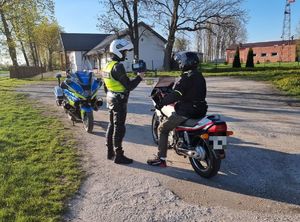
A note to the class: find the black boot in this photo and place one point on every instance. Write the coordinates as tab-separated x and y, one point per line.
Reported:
110	153
121	159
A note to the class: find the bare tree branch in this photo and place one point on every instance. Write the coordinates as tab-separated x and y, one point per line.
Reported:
194	15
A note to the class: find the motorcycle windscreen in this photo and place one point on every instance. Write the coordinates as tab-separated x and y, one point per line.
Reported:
165	82
84	77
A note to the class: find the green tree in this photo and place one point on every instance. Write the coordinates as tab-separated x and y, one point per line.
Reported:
236	61
6	6
47	36
17	21
250	63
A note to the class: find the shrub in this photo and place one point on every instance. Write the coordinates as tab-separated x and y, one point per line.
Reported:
237	62
250	63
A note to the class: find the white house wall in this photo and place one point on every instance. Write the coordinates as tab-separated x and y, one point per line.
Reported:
151	49
78	62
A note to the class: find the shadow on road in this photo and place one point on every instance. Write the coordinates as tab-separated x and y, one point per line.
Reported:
244	101
247	170
138	134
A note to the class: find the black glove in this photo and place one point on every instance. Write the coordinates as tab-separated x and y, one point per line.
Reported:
159	106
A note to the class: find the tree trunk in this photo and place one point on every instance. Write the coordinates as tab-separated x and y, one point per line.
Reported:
10	41
33	54
168	51
218	43
171	37
50	60
38	59
24	53
135	30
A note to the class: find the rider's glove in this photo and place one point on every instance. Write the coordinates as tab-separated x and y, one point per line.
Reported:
159	106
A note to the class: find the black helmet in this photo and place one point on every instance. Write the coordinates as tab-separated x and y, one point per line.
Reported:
187	60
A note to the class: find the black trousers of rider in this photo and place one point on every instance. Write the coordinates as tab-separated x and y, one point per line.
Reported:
116	128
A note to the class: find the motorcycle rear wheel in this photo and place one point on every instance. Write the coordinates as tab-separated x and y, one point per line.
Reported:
206	168
88	122
154	127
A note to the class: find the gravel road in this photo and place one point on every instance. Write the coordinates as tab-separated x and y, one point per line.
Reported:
259	180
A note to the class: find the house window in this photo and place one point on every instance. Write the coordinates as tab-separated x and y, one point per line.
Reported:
274	53
263	55
254	54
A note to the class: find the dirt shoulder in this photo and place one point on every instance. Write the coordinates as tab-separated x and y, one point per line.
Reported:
259	180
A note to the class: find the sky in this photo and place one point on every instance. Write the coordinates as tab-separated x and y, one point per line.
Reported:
265	20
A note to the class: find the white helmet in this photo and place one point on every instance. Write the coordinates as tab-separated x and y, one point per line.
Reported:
120	45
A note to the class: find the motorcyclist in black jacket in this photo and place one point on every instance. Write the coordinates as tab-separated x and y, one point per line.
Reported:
189	94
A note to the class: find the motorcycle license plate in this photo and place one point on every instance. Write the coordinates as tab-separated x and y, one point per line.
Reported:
218	142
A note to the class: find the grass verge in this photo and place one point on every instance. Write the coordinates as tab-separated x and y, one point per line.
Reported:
286	80
38	163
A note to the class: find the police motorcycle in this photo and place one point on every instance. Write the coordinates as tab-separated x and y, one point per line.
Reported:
77	94
203	140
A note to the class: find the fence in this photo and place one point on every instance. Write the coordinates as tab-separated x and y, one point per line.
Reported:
25	71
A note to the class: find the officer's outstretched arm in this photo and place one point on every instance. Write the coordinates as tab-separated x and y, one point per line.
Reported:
119	74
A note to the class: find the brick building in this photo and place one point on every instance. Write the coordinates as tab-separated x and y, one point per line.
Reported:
274	51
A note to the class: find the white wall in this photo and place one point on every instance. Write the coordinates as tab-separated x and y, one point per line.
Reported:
79	62
75	60
151	51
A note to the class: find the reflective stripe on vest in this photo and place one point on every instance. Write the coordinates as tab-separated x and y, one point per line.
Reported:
111	84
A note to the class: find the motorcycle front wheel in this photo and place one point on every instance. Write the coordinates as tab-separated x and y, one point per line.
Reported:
208	167
88	121
154	127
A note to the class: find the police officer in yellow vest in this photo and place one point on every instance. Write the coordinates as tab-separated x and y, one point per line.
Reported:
117	87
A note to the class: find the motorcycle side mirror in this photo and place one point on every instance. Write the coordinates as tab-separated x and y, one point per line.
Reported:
58	75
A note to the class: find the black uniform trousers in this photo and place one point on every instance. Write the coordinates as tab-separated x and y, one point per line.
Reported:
117	105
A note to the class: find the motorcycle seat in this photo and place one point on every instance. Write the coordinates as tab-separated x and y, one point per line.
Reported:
191	122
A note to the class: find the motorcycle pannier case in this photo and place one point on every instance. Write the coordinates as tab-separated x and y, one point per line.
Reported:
59	94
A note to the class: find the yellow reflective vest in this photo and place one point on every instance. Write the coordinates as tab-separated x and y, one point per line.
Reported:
110	83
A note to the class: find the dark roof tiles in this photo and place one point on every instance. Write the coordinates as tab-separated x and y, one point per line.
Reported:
81	42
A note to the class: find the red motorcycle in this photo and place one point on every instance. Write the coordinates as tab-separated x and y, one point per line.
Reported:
203	140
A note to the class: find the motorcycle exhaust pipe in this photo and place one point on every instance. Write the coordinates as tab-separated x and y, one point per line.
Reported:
198	153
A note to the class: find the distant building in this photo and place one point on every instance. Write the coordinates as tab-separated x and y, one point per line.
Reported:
76	45
274	51
80	49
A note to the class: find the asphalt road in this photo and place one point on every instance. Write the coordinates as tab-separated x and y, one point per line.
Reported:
258	181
